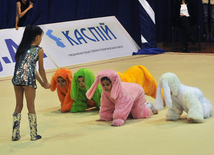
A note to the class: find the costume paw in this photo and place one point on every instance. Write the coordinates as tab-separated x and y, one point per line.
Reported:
91	103
151	106
171	119
105	119
99	120
191	120
117	122
64	111
74	110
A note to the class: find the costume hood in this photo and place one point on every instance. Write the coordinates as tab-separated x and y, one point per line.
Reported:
171	85
89	80
65	74
115	81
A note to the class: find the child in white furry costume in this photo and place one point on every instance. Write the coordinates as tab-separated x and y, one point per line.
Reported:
179	98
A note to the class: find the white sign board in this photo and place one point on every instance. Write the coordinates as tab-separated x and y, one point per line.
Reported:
81	41
70	43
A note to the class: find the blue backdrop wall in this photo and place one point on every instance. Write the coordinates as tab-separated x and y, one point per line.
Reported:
126	11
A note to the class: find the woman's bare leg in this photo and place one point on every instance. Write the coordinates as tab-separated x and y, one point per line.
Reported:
30	94
19	91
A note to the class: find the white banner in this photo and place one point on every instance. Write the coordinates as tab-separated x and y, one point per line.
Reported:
70	43
9	41
81	41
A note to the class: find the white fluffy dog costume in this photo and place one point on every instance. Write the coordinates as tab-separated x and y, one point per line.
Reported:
179	98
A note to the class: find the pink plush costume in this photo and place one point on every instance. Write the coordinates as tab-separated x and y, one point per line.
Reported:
123	99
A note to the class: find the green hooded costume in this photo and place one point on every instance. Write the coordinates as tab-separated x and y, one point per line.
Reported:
78	93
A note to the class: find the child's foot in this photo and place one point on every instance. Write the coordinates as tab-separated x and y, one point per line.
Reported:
151	106
191	120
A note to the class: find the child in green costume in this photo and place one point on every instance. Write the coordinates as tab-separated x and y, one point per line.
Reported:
82	81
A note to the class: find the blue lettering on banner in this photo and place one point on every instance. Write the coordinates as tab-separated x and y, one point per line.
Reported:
57	40
83	29
106	30
92	28
1	68
79	36
6	60
69	38
10	44
102	32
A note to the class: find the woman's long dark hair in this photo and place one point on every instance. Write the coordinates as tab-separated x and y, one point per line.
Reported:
30	33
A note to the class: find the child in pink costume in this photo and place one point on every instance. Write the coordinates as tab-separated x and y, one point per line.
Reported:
119	99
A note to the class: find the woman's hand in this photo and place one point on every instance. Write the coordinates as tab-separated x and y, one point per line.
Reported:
30	6
47	85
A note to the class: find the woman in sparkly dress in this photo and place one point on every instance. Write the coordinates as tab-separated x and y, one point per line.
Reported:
24	78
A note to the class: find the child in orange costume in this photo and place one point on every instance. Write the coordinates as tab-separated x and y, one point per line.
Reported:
61	81
140	75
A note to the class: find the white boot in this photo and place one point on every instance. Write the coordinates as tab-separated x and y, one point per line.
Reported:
33	127
16	126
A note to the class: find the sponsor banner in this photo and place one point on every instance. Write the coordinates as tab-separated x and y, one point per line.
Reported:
82	41
69	43
9	41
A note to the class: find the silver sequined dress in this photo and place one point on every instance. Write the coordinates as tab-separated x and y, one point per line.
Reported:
25	68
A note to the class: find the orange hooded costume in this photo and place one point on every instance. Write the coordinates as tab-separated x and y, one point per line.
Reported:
63	92
140	75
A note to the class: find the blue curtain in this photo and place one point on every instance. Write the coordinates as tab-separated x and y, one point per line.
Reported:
163	18
126	11
7	13
148	29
